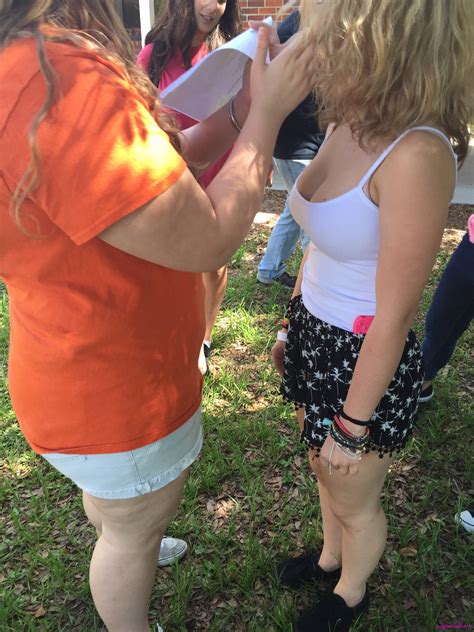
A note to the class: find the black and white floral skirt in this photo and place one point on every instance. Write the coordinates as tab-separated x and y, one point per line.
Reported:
319	363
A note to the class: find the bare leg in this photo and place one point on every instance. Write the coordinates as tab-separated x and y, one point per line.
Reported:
92	513
331	553
215	284
123	564
355	502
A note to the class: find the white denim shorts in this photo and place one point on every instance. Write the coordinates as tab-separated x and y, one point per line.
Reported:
135	472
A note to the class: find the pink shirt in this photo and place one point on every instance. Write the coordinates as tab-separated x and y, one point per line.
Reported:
173	70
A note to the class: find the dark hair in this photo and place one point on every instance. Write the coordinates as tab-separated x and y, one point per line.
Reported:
174	30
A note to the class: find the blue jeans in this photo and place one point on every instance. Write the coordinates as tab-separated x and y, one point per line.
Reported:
286	232
451	310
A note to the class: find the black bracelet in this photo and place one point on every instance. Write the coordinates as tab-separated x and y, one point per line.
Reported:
348	442
349	436
345	444
357	422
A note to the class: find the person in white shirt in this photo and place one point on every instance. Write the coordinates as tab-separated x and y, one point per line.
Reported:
391	77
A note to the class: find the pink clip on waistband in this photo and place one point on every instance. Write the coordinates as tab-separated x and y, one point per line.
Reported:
361	324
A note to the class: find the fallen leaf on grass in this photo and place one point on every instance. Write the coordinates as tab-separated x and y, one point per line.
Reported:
224	508
39	612
408	551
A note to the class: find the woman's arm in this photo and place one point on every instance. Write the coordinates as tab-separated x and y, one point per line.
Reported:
204	143
188	229
414	187
278	349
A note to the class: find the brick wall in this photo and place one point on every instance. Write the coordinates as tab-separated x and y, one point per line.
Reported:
258	9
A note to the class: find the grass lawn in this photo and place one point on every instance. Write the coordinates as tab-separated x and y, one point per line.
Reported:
250	497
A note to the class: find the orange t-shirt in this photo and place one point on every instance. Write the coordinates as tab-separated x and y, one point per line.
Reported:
104	346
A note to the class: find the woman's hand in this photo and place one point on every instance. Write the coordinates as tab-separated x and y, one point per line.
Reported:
254	82
278	354
274	40
274	47
281	85
337	461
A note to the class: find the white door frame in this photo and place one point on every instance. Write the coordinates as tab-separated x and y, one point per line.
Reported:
147	16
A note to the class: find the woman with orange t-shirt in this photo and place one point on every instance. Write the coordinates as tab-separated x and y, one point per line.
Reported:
101	250
184	33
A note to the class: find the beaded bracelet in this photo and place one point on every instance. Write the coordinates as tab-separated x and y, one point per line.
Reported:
344	440
355	455
345	443
347	439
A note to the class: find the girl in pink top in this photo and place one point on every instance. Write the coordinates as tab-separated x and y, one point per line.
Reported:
184	33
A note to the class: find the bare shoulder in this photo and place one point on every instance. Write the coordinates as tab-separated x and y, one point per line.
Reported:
422	160
423	151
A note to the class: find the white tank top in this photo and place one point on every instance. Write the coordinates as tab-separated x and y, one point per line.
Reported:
339	274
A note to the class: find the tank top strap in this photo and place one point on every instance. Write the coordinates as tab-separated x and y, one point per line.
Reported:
385	153
330	129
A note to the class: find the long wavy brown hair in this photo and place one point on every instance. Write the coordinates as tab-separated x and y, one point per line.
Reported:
90	24
386	65
175	28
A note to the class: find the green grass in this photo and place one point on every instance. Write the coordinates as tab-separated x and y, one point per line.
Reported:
250	499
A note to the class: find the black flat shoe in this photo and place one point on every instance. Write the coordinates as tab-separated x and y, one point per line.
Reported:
297	571
332	614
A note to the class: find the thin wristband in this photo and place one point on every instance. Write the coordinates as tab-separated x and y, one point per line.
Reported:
346	431
357	422
233	118
282	336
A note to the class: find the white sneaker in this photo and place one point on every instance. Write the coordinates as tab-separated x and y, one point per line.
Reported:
202	361
171	551
426	394
466	519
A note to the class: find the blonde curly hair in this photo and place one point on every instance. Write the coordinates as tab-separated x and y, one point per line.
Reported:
387	65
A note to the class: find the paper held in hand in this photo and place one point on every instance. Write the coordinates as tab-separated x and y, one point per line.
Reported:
213	81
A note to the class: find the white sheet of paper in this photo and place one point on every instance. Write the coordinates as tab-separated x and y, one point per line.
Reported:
213	81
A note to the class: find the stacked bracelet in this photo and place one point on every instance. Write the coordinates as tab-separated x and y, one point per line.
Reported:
345	442
345	431
355	455
346	439
357	422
